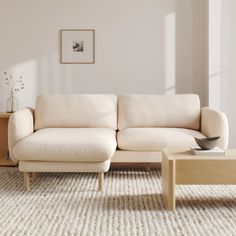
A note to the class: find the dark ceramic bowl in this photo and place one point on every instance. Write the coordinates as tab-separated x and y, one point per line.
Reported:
207	143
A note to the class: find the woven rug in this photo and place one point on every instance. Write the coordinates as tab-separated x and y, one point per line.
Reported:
131	204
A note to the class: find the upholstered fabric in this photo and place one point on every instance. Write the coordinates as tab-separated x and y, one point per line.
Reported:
215	123
39	166
67	144
136	156
148	139
21	125
82	129
181	111
76	111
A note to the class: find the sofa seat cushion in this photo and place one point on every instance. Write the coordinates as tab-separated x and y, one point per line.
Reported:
67	144
154	139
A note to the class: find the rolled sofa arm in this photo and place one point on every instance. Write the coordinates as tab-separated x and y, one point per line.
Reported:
215	123
21	124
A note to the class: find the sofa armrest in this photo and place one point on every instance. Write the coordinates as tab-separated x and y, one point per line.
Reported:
21	124
215	123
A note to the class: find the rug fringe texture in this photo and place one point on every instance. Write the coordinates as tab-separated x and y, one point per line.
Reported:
64	204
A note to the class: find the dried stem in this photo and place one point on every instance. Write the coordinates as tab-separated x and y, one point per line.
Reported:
15	84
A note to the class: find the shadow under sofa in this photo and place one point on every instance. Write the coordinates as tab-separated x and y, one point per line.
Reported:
86	132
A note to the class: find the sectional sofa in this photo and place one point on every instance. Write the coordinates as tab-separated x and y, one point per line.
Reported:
85	133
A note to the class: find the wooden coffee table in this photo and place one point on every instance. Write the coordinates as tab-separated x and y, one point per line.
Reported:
181	167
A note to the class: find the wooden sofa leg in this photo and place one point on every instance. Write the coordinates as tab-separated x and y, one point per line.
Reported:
26	181
34	176
100	181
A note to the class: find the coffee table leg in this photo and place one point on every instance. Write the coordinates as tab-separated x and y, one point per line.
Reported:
168	182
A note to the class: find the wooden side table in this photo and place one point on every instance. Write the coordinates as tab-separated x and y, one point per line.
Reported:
4	161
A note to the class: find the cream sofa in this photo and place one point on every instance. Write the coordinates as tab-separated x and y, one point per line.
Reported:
84	133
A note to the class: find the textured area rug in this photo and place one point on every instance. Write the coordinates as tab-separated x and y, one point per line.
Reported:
131	204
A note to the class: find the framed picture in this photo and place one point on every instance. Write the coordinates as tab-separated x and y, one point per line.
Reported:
77	46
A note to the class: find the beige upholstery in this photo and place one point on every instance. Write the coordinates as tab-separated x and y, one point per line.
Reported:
46	166
77	133
154	139
179	111
68	145
73	133
76	111
21	125
215	123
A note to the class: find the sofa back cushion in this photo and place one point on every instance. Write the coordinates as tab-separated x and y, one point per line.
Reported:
76	111
181	111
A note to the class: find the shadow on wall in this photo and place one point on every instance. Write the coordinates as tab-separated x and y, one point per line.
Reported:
191	47
222	57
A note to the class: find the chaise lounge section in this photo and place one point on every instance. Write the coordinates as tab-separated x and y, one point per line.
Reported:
66	133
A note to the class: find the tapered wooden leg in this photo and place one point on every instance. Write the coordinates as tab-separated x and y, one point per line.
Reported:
26	181
34	176
100	181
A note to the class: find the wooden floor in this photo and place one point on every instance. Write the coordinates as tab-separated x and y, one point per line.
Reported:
146	166
4	162
129	165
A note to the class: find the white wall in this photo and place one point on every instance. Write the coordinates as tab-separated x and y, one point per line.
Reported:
136	44
222	59
191	46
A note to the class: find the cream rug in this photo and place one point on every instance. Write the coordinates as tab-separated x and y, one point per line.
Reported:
131	204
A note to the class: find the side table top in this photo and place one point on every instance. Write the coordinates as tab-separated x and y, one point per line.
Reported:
186	154
5	115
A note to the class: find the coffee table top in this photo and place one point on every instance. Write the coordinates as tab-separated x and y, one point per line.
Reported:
185	154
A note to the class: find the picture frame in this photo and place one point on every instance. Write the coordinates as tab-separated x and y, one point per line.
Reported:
77	46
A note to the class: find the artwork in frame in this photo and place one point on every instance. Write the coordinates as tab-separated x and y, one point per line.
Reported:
77	46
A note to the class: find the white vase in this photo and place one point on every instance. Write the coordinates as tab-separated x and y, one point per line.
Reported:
12	104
